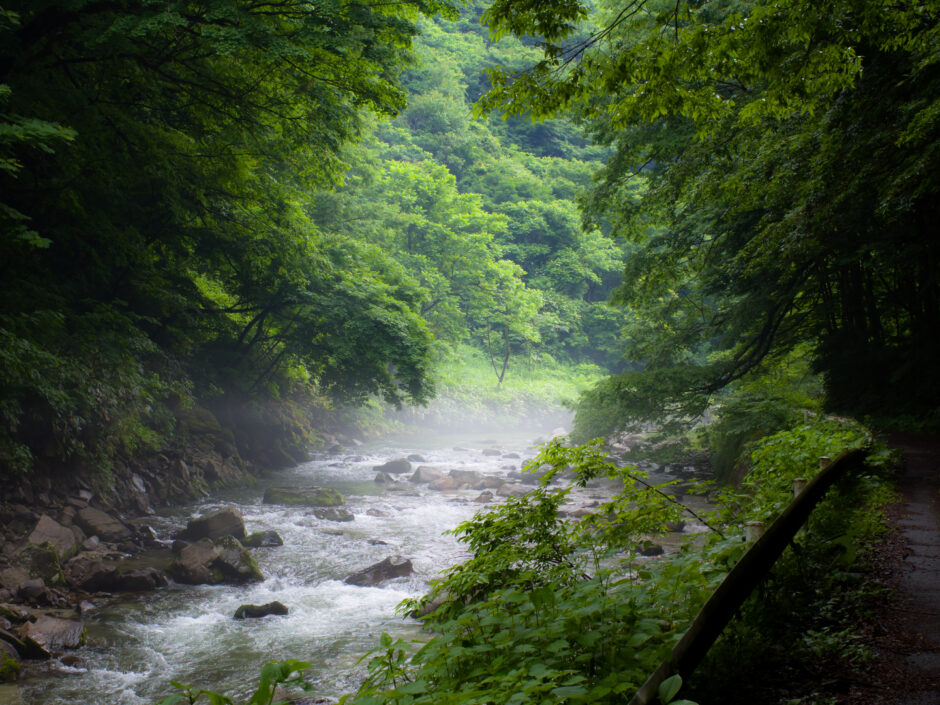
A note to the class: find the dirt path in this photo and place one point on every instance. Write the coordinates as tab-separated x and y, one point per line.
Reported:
917	601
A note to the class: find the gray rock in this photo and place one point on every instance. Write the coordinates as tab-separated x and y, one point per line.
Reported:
10	667
484	497
41	562
466	477
394	467
224	522
508	490
48	634
33	591
193	566
492	451
415	458
49	530
512	455
235	563
425	473
256	611
95	522
391	567
91	571
334	514
648	548
11	578
263	539
384	478
443	483
140	580
303	496
376	513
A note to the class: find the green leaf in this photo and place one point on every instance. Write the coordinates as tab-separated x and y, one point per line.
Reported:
669	688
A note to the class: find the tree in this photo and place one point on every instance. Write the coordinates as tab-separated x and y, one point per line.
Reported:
790	154
174	252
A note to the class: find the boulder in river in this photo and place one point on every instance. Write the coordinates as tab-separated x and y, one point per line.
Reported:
394	467
492	451
384	478
425	473
224	561
443	483
334	514
95	522
256	611
303	496
263	539
215	525
466	477
140	580
508	490
391	567
415	458
484	497
49	530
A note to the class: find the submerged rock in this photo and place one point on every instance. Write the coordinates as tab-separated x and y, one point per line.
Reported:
391	567
256	611
334	514
394	467
224	522
303	496
263	539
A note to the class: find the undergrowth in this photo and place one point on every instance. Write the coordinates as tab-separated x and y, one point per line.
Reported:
550	610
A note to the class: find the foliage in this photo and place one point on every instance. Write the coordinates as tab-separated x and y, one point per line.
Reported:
790	176
564	611
273	675
154	159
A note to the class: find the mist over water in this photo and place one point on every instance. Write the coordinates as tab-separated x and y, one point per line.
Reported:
187	633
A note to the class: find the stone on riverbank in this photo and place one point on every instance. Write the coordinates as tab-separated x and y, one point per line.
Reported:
224	522
391	567
256	611
49	530
95	522
41	562
394	467
9	663
303	496
263	539
49	634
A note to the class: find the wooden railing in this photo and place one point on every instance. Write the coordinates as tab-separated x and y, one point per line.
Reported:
744	577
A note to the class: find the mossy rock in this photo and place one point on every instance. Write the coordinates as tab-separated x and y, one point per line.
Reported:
9	668
42	561
304	496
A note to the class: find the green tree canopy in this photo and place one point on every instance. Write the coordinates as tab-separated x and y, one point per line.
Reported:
790	154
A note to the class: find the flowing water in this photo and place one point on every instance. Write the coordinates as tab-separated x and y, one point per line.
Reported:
187	633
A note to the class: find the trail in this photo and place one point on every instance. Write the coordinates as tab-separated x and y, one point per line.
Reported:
905	635
918	596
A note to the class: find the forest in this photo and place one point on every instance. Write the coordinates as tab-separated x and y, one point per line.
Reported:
273	219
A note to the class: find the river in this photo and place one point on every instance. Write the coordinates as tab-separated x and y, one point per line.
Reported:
188	634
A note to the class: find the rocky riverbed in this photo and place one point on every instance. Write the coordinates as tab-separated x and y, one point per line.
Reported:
101	606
